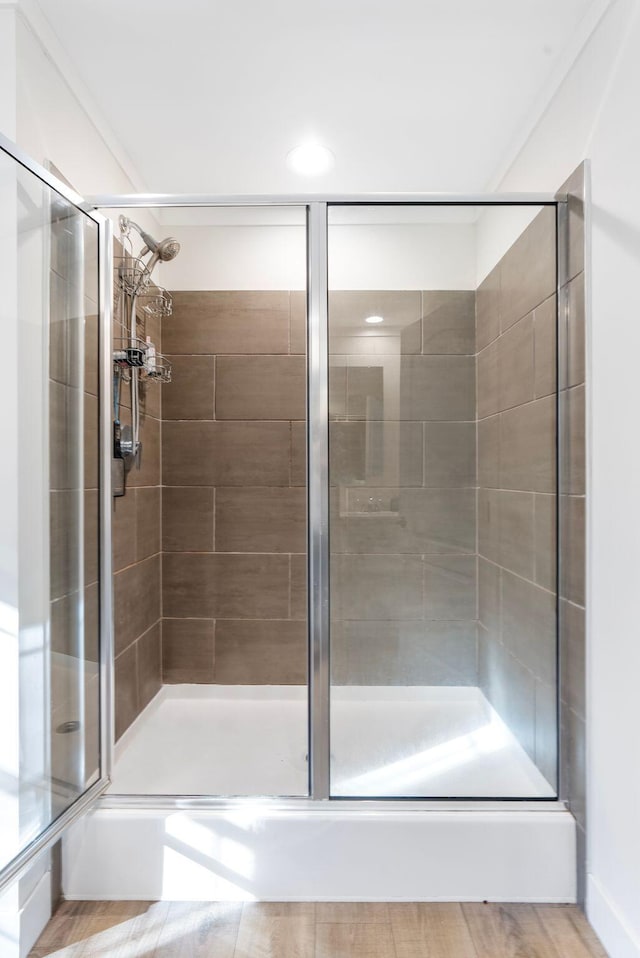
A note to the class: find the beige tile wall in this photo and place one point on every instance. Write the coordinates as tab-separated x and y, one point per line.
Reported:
516	402
234	499
137	542
403	496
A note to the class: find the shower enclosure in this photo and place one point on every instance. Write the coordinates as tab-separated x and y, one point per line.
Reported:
336	564
411	651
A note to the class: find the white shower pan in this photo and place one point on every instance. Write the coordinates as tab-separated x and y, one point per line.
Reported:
196	741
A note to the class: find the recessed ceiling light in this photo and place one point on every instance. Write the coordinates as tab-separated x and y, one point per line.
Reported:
374	319
310	159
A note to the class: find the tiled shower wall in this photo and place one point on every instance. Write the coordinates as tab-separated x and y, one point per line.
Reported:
516	402
234	489
403	497
136	550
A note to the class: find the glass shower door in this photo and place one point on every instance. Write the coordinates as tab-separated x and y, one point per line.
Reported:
442	421
50	754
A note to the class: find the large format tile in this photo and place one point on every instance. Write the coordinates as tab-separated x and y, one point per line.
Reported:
65	545
488	309
225	453
572	546
227	322
448	322
450	587
188	649
190	393
529	629
516	364
425	521
260	387
261	652
528	269
388	453
516	532
123	530
65	416
528	446
573	657
298	322
437	388
187	518
489	452
572	404
149	649
488	384
365	392
545	347
225	586
298	454
576	337
148	521
450	454
489	596
136	601
261	519
377	587
546	541
126	690
298	597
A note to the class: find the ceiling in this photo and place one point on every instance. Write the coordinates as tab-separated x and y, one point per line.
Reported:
410	95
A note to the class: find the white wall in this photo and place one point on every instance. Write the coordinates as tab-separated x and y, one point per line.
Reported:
370	256
54	126
595	114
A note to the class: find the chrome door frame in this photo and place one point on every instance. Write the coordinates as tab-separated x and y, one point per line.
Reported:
317	205
21	862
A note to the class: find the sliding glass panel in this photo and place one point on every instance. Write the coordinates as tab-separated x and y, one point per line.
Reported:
442	383
49	605
219	707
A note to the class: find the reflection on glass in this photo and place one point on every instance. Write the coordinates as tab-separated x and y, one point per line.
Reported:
49	629
443	628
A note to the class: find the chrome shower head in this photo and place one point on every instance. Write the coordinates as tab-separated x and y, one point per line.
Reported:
163	250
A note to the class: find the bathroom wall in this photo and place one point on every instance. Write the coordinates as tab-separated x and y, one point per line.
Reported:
234	500
516	404
403	497
136	547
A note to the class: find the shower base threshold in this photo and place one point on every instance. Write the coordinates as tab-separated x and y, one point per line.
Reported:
386	742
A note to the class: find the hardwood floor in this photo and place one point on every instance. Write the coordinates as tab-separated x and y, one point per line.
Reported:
322	930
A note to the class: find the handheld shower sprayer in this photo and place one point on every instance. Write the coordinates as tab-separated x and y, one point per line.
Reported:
161	250
138	356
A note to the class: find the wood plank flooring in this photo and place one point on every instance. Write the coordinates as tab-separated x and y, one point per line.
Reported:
134	929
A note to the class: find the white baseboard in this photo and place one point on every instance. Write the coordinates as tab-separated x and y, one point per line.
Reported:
610	926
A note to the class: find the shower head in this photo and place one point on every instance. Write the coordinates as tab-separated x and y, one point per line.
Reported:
163	250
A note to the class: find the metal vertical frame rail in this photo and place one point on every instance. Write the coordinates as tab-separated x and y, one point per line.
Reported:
562	452
107	656
318	493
